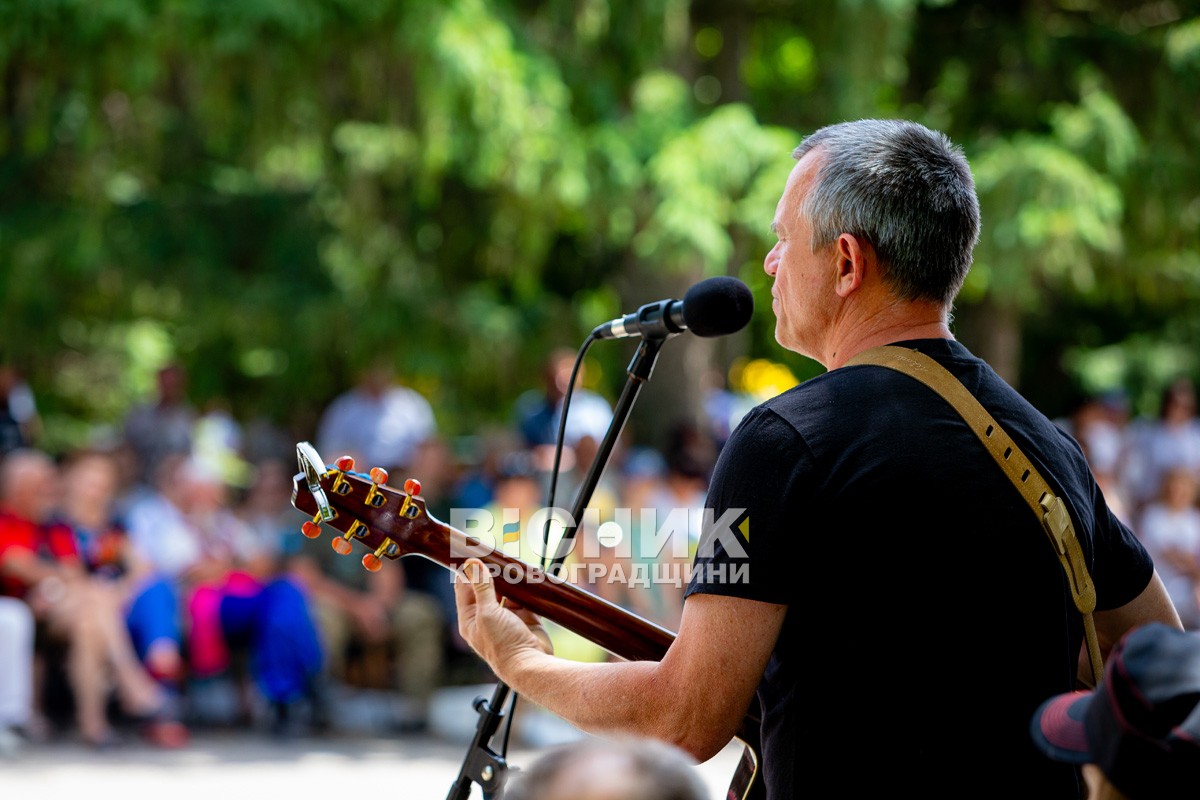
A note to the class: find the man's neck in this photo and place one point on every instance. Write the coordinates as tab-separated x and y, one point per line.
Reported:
894	322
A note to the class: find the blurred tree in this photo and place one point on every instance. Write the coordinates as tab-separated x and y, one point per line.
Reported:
275	192
1074	117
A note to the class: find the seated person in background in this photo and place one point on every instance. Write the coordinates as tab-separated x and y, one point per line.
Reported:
1137	735
72	607
161	425
265	507
599	769
1170	530
84	529
352	605
539	411
16	674
378	421
232	596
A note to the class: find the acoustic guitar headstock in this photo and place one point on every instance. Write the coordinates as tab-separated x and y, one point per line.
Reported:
360	506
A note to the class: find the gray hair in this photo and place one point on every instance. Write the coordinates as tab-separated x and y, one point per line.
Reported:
631	769
906	190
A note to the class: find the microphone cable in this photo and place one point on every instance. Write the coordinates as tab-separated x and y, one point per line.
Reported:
559	444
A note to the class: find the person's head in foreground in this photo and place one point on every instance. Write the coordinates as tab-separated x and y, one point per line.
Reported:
1137	735
599	769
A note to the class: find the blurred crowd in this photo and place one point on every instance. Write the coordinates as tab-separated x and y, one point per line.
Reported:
139	571
1148	468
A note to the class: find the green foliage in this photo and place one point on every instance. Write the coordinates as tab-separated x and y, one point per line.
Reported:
275	192
1047	213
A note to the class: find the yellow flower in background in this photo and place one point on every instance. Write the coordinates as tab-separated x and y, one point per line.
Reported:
760	378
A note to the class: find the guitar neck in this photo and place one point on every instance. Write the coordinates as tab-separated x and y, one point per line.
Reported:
605	624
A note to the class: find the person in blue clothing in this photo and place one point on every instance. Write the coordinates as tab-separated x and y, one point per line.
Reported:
226	577
539	411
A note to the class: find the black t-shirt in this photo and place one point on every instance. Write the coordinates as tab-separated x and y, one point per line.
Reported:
928	615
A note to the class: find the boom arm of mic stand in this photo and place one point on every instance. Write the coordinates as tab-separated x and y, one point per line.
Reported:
481	764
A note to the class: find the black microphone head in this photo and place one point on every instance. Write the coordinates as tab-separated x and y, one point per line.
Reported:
717	306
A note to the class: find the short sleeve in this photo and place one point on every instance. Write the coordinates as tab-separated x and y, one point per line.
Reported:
754	512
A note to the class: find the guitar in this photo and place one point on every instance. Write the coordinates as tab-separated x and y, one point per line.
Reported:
392	524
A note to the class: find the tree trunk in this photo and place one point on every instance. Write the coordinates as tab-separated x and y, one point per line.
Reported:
993	332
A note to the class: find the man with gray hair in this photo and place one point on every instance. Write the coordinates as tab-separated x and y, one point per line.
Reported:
873	564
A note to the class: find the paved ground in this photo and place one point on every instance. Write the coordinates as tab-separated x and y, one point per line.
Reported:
230	764
234	766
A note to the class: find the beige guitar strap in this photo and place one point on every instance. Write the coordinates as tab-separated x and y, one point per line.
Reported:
1048	507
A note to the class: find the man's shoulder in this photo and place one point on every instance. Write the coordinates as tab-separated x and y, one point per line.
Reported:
872	383
825	394
851	402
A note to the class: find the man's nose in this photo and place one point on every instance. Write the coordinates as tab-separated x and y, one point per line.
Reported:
771	262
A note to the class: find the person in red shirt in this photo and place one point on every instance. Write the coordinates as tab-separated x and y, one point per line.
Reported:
71	606
86	530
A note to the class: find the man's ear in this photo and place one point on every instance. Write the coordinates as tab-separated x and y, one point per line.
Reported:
854	258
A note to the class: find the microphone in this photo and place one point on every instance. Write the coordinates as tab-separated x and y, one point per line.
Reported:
713	307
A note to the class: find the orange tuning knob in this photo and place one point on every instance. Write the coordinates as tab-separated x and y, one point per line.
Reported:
373	561
413	487
379	478
310	529
342	546
345	463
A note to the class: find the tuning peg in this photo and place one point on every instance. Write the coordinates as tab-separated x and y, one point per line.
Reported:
310	529
379	478
412	487
342	466
373	561
341	545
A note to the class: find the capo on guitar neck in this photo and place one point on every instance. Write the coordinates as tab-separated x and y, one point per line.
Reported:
309	460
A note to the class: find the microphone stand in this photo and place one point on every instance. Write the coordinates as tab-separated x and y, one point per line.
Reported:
482	765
